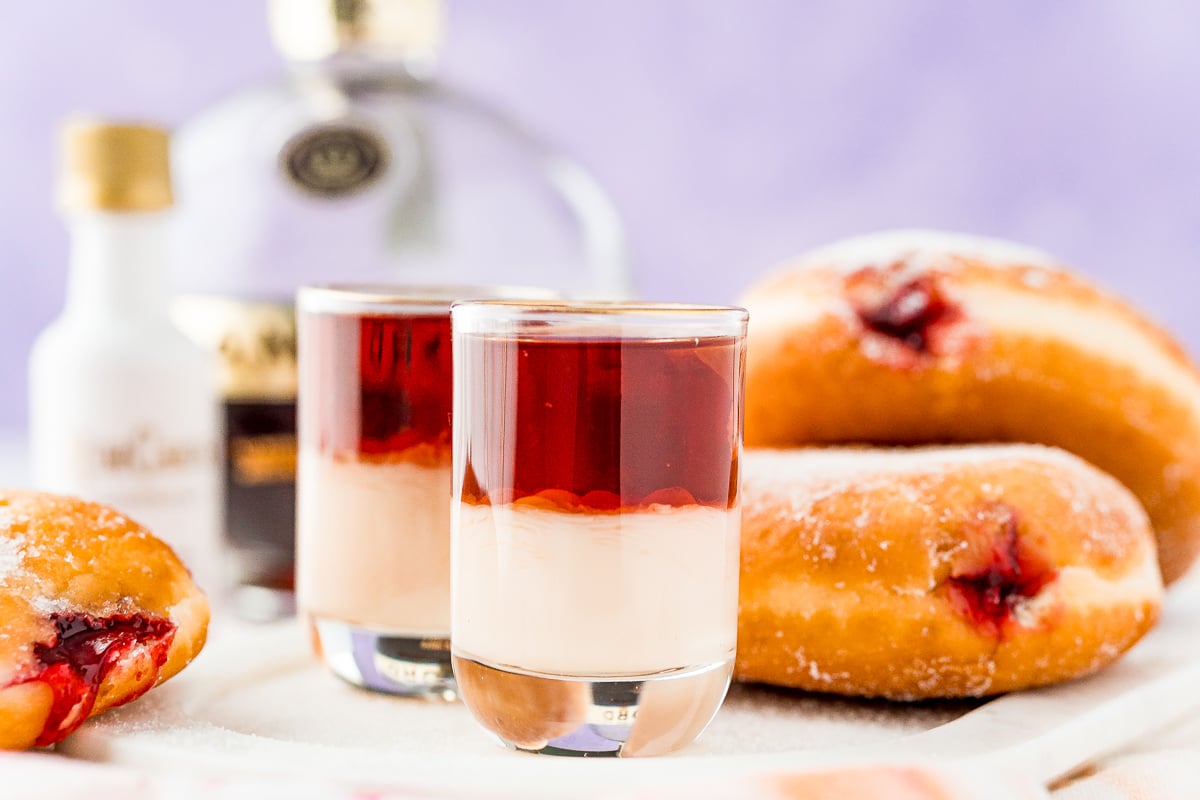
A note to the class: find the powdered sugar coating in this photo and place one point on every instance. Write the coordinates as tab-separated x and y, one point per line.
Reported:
51	547
922	248
858	566
798	485
12	556
860	463
1039	355
93	611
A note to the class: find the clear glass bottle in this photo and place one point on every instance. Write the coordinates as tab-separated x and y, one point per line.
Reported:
122	406
358	165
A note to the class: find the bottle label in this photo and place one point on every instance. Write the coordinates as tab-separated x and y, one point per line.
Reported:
334	160
260	489
263	459
145	450
165	478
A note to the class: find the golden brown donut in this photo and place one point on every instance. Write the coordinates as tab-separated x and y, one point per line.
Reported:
914	573
919	338
94	611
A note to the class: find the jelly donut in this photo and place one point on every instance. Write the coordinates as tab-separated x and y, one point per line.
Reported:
94	611
913	573
919	338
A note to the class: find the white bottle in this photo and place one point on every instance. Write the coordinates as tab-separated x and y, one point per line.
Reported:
123	408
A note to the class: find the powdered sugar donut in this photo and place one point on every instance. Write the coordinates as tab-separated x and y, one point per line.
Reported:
94	611
917	338
937	572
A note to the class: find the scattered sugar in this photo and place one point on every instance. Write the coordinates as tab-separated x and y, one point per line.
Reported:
758	719
271	708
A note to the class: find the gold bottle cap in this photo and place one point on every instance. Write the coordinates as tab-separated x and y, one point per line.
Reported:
114	167
311	30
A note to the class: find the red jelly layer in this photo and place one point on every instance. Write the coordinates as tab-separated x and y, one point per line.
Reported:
83	653
376	385
901	306
601	424
988	593
599	500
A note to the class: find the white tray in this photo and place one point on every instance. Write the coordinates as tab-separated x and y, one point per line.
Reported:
256	703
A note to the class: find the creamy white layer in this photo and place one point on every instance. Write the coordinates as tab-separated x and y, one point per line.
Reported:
373	544
595	594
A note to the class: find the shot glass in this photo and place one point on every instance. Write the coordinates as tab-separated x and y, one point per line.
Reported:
373	482
595	521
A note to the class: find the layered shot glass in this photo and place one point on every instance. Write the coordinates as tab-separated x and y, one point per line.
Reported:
596	521
373	483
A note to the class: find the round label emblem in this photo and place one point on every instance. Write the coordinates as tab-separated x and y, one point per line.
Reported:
334	160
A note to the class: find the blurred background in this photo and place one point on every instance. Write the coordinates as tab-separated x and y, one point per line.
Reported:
729	136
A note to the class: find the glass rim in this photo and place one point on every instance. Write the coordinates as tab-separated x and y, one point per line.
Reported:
518	308
597	319
395	298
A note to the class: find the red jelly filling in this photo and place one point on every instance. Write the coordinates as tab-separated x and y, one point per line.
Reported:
601	425
85	650
901	306
989	593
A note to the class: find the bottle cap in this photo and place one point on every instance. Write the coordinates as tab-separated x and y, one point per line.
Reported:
114	167
396	30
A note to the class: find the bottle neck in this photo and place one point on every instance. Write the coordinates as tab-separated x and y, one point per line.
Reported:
117	266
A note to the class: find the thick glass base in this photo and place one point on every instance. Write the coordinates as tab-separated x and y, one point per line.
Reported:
642	715
412	666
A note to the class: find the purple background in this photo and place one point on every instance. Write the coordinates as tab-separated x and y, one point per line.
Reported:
730	134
